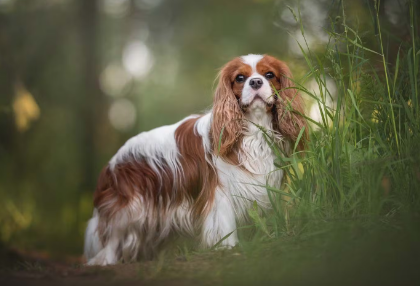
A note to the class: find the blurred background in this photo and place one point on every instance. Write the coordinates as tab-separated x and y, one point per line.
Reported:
79	77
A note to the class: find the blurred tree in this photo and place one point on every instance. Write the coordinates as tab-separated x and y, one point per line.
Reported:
92	107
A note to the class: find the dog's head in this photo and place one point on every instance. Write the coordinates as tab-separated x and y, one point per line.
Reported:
255	84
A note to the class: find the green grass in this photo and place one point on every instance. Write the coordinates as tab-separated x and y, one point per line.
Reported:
362	160
350	209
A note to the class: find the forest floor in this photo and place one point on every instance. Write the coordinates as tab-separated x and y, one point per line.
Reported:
345	254
17	268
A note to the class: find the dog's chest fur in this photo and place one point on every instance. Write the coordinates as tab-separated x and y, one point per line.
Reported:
247	184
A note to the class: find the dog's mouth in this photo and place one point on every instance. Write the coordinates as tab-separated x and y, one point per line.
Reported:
256	98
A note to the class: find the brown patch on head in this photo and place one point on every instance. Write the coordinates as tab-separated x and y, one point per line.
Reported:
227	120
288	110
271	64
232	70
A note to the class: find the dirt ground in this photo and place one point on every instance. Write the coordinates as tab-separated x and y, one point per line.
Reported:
18	268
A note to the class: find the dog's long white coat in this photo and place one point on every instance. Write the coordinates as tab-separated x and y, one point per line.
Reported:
238	189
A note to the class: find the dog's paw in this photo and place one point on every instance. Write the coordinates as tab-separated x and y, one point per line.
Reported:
224	247
103	258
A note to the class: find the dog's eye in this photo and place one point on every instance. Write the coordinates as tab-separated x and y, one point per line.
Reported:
240	78
269	75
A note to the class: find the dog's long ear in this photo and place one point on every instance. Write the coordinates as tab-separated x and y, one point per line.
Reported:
289	108
226	125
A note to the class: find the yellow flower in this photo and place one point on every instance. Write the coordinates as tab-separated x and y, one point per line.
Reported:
25	108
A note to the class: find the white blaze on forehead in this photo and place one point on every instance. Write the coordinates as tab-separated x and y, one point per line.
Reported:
252	60
248	93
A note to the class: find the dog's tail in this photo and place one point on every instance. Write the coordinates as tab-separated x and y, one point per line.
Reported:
92	242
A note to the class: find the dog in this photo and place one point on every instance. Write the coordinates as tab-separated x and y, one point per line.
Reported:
200	176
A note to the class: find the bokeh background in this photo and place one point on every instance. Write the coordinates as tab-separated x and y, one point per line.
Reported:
79	77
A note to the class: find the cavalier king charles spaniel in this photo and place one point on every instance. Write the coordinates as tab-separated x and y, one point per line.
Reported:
200	176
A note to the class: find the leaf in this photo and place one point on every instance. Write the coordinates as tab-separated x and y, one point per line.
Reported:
220	139
354	102
258	220
229	234
298	138
396	67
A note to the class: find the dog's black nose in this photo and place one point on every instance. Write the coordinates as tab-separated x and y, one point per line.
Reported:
256	83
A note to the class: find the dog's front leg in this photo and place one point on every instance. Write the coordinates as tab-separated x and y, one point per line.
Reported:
220	222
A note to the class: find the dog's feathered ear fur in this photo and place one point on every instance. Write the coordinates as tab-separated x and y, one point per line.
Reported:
289	107
227	123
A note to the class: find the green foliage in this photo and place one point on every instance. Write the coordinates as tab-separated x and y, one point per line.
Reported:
360	172
355	192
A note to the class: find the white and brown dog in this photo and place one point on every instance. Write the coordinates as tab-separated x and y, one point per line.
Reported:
200	175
